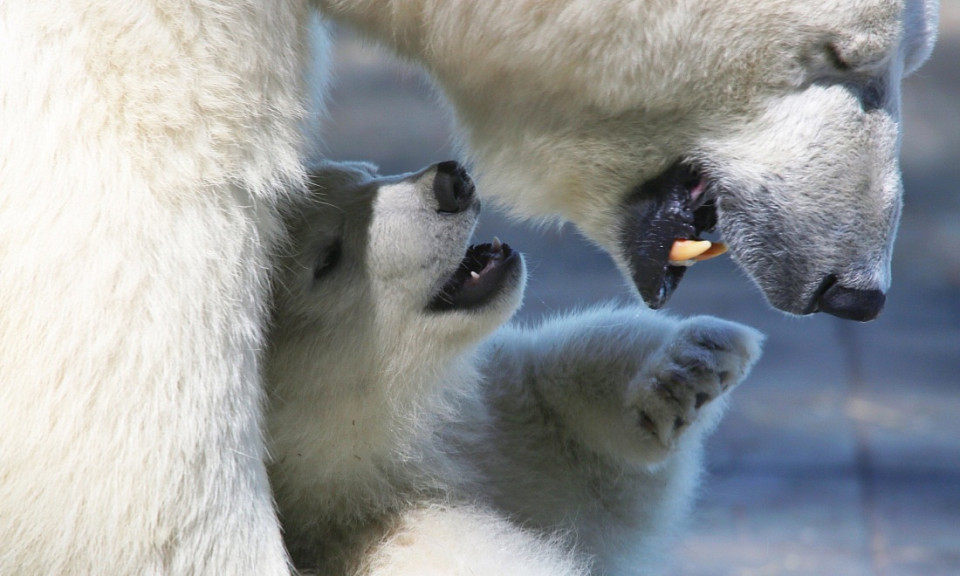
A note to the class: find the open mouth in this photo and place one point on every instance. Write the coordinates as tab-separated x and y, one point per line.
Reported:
483	272
662	231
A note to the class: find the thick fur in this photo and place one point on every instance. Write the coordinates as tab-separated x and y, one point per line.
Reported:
142	150
144	146
400	431
791	110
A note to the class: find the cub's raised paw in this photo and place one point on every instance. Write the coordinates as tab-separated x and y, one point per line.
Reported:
679	387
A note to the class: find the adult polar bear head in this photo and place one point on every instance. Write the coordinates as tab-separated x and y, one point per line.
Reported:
644	121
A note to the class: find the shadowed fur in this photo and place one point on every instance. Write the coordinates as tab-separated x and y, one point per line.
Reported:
390	418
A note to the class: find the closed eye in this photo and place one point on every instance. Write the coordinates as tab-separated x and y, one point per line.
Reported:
870	88
327	260
873	94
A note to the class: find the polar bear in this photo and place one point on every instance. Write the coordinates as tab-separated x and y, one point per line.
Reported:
777	123
398	400
146	145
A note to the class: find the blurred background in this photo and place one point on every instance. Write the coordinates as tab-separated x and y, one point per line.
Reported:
840	455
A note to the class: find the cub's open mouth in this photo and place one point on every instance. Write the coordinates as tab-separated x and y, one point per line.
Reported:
661	231
485	269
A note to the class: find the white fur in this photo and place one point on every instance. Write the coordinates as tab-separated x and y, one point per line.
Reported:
444	540
138	176
143	145
395	438
765	97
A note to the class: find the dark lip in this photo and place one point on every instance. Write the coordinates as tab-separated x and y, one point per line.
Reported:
658	212
834	299
813	305
461	291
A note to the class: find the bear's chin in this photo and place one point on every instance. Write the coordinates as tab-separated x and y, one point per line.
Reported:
485	272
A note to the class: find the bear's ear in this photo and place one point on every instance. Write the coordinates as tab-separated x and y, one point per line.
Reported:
867	35
921	19
864	48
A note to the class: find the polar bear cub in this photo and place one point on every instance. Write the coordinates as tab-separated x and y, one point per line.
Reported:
413	432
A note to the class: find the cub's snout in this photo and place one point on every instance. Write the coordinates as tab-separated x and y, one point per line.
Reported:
453	188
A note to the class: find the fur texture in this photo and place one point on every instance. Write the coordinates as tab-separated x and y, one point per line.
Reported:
789	111
405	437
145	144
143	149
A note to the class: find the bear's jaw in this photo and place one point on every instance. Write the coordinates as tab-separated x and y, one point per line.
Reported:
678	204
484	272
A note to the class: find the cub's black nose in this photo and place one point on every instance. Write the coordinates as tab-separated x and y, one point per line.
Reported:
851	303
453	188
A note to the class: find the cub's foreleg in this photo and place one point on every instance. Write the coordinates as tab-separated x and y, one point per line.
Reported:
596	421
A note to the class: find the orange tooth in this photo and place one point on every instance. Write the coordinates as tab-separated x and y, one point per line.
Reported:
683	249
715	250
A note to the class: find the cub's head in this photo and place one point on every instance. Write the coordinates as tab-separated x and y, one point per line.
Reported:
381	267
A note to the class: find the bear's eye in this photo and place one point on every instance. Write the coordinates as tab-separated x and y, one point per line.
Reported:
328	260
873	94
836	59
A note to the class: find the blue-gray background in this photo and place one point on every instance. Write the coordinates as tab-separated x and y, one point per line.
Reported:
841	453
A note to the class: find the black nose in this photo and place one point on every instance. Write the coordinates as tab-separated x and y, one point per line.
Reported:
851	303
453	188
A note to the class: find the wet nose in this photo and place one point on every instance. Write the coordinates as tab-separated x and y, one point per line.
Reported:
453	188
851	303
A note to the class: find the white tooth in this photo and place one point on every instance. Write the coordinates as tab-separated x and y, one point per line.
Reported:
496	244
684	249
474	275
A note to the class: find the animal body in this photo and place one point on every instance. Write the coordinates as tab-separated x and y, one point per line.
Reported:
145	147
399	399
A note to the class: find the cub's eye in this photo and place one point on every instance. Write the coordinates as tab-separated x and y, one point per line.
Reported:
328	260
